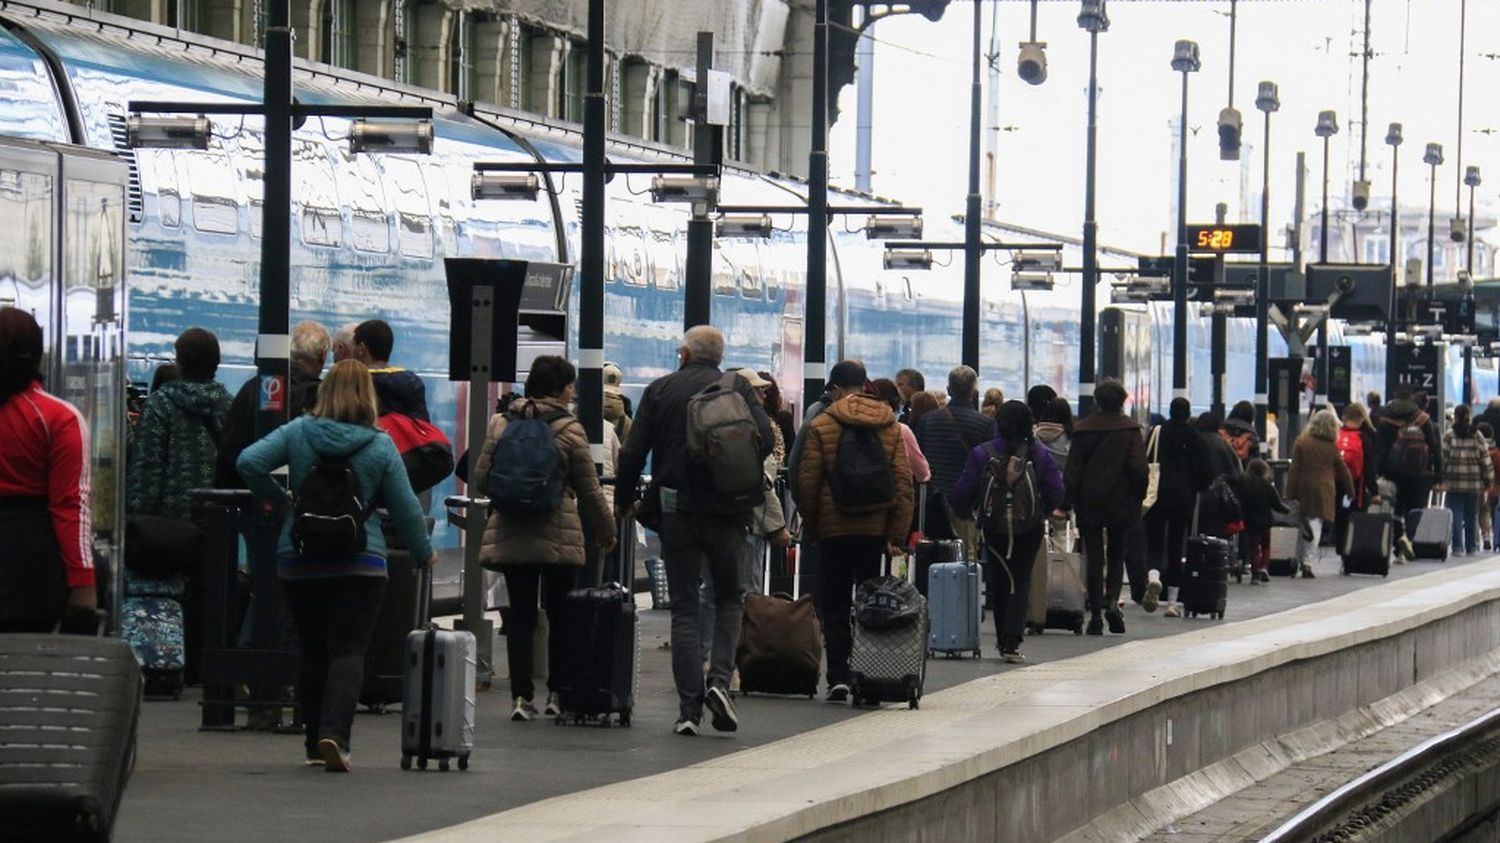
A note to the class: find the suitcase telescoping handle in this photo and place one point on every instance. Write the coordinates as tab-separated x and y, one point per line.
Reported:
922	509
1437	499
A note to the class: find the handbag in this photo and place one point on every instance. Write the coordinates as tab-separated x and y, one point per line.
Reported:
159	546
1153	468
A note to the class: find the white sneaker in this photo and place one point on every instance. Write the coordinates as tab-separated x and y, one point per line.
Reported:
552	709
1153	595
523	710
1174	610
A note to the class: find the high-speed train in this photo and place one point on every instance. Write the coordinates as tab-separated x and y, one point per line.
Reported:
370	232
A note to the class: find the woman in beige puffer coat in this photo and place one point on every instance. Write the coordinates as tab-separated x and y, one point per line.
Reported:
543	551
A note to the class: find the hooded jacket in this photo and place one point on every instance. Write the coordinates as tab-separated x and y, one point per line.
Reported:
1055	439
378	470
558	537
1397	415
821	517
175	447
1106	473
1186	467
400	391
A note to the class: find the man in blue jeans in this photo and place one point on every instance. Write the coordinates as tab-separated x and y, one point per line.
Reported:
696	523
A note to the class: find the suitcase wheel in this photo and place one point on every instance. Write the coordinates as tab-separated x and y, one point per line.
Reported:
443	765
1078	628
463	761
912	702
625	718
405	761
1219	616
1343	570
422	763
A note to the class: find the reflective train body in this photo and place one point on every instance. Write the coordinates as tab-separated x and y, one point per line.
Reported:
370	232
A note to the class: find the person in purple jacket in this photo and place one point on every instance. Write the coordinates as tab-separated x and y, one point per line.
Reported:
1008	564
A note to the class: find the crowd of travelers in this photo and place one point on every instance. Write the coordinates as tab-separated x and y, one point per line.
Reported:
872	467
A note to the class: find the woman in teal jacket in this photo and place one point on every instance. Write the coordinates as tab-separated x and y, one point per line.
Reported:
333	601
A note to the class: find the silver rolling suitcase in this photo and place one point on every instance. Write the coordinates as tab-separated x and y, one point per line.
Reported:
437	698
953	606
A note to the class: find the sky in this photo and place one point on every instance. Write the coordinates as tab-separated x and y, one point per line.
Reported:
1309	48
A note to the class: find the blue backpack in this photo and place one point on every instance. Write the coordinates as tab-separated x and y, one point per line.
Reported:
526	472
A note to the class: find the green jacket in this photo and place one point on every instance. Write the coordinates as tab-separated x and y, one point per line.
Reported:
174	447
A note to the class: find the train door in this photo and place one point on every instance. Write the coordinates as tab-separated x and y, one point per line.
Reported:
89	352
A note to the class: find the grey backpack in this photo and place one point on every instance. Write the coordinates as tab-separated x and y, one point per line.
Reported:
723	438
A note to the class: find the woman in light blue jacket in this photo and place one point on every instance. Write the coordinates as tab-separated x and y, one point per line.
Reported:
333	598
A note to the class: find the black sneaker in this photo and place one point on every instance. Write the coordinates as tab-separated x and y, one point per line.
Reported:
1096	625
716	700
1116	622
837	693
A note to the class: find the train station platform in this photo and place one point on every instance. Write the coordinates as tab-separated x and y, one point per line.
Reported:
1121	731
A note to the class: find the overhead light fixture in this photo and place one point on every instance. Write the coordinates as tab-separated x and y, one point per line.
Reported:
754	225
1037	261
168	132
1434	155
1150	285
1393	134
411	137
1360	195
1457	230
1463	340
1432	333
1031	64
908	259
1328	124
1092	17
1127	295
1267	98
1360	329
1185	56
886	227
692	189
524	186
1031	282
1234	297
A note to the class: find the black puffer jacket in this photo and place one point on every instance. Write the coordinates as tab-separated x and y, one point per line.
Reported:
660	429
400	391
1186	468
1106	474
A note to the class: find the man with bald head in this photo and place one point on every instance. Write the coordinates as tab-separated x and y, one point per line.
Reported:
696	522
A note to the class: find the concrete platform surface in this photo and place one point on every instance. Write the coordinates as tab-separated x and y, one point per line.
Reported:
191	786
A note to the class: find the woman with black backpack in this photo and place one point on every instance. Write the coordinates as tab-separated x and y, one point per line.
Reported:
535	534
1010	549
330	560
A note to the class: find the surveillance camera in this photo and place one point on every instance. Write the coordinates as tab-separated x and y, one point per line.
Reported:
1361	197
1344	284
1465	281
1229	134
1456	229
1032	64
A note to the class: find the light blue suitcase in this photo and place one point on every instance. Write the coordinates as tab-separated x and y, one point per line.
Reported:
953	606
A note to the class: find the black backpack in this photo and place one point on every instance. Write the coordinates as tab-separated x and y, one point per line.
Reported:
526	472
861	479
1012	502
328	515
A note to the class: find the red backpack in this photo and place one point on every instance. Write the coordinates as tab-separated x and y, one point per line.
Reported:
1352	449
424	449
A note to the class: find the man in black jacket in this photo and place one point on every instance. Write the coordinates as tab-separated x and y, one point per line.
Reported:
1407	410
946	437
396	390
1106	479
310	342
695	522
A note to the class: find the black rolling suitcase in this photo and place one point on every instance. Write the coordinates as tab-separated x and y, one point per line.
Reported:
597	677
1204	589
1431	528
68	710
931	551
1367	544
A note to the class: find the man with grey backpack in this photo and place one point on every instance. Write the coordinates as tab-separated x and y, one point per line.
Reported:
708	438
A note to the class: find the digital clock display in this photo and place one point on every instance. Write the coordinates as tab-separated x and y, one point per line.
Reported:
1224	239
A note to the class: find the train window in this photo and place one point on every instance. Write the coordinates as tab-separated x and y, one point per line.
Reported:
665	273
413	216
249	162
312	173
163	168
723	273
359	185
749	271
26	203
440	194
211	182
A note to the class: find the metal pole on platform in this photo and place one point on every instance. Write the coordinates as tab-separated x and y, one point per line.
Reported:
1267	100
1393	138
707	150
1328	126
1184	60
814	349
591	255
1471	178
1094	19
972	210
1432	158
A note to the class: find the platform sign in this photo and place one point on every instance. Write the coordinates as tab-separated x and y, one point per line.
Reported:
1340	375
1221	239
1420	366
1455	315
273	394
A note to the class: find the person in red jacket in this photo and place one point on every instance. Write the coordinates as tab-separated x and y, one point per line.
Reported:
47	564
